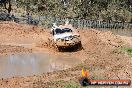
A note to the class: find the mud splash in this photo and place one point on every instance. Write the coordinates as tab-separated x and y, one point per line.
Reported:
33	64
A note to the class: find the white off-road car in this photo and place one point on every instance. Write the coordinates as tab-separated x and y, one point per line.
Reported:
65	36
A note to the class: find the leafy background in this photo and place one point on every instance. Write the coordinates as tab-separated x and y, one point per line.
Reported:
105	10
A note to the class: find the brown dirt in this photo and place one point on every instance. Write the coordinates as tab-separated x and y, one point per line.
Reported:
98	55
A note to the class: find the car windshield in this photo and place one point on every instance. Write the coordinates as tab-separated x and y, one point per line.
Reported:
60	31
66	30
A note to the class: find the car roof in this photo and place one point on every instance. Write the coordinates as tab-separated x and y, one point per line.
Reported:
66	26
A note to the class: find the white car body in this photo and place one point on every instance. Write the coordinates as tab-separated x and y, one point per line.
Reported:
66	39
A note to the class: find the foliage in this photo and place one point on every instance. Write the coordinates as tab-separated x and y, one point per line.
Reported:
6	4
127	50
106	10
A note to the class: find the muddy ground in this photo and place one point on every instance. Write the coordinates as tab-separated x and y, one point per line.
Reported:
101	56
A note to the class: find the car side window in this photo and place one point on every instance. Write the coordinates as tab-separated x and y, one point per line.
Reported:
67	30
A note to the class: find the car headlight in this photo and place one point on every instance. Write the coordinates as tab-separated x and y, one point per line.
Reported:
62	39
58	39
66	38
76	35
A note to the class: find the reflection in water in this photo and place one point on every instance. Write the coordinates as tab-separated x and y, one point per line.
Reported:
35	63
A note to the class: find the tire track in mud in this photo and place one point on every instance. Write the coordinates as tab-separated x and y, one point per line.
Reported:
97	56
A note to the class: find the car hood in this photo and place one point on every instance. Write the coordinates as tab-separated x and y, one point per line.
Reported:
64	35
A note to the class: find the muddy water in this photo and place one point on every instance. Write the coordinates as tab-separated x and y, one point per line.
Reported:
32	64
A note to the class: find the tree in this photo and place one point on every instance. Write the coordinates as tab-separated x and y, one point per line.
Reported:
5	3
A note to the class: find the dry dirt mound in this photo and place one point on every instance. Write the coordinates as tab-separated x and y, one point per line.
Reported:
97	56
11	29
22	36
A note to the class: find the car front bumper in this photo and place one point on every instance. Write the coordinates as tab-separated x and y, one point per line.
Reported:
67	43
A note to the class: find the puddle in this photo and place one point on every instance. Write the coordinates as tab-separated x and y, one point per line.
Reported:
33	64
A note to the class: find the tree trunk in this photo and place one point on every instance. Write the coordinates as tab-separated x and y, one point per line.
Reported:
9	6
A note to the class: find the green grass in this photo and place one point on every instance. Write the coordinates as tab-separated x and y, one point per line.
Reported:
72	84
123	50
127	50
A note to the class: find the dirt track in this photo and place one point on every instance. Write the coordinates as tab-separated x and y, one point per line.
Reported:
98	55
